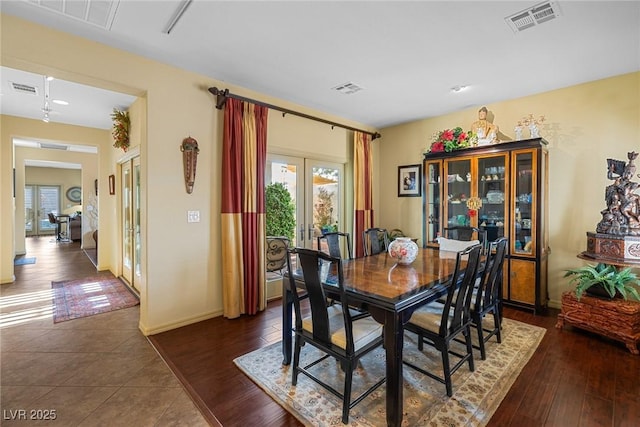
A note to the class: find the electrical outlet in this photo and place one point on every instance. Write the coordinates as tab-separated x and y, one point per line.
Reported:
193	216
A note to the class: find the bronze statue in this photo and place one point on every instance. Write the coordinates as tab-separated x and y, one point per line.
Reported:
622	215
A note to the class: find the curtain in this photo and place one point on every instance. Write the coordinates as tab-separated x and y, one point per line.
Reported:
243	216
363	191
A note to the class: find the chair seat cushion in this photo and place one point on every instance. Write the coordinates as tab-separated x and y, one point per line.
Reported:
364	330
428	317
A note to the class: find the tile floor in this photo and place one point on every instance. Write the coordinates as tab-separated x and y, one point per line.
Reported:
98	370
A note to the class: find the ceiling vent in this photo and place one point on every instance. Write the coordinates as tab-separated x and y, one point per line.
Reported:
533	16
23	88
49	146
95	12
347	88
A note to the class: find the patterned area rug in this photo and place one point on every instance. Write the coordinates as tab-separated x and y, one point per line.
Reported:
73	299
476	394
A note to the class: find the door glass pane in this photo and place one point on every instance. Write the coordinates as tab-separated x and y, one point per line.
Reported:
136	219
127	245
523	204
49	201
280	171
492	191
433	201
326	202
29	207
458	189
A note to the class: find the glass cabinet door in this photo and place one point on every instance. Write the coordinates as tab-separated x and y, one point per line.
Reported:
523	241
492	190
433	197
457	190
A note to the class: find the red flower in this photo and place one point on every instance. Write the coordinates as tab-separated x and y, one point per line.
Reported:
473	212
447	135
437	147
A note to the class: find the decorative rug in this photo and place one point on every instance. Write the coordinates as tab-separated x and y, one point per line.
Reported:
476	396
73	299
24	261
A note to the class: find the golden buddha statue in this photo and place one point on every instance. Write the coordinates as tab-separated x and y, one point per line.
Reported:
487	132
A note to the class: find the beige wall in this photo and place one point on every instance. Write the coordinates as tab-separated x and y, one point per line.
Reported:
585	125
181	262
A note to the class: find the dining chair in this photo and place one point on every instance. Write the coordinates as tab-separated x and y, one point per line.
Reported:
486	296
330	328
465	233
375	241
277	252
439	324
333	243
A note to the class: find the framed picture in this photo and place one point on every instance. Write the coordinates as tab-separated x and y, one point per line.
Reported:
112	184
410	181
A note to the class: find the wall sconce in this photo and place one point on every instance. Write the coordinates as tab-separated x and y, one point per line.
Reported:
190	152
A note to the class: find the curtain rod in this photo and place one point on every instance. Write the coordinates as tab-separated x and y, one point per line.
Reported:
222	95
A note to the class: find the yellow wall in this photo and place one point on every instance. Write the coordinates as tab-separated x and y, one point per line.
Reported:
181	262
585	125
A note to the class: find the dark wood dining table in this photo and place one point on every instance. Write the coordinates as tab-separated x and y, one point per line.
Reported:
391	293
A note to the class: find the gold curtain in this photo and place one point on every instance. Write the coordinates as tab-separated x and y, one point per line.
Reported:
363	191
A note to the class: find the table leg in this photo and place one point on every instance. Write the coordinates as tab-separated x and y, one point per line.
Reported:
393	343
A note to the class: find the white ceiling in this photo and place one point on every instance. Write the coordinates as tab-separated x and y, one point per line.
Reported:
406	55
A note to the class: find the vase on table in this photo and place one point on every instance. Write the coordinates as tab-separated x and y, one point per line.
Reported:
403	250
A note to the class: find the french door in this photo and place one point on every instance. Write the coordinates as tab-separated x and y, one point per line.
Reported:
39	200
130	191
317	189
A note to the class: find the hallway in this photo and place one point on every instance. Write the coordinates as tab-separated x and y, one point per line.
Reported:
97	370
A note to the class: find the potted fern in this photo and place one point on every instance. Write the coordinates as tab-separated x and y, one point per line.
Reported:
604	280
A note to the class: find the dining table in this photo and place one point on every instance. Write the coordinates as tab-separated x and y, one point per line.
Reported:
391	292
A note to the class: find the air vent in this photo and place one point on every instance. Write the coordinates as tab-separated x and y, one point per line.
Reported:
100	13
53	146
347	88
533	16
22	88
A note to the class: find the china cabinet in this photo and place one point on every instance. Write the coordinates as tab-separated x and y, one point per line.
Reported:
501	189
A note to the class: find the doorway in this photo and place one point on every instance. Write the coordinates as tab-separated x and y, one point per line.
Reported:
317	190
39	200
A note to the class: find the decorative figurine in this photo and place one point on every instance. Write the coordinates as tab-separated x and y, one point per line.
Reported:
518	131
532	123
190	152
622	215
486	131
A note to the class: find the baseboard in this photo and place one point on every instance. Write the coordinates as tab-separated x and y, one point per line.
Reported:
146	331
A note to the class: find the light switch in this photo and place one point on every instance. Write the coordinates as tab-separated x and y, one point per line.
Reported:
193	216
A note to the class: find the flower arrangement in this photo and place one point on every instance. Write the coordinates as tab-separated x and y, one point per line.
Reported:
451	139
121	123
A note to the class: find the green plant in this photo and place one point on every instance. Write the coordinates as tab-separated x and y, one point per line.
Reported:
121	124
609	277
280	210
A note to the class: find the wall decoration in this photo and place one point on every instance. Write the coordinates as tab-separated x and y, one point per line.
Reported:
74	194
112	184
120	133
410	181
95	184
190	150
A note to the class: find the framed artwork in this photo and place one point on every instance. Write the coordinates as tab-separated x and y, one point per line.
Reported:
74	194
410	181
112	184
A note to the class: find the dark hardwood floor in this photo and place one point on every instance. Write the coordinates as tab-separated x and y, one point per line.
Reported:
575	378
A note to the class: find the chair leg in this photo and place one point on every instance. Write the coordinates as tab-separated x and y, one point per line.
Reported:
478	322
467	337
346	396
446	369
497	322
296	362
